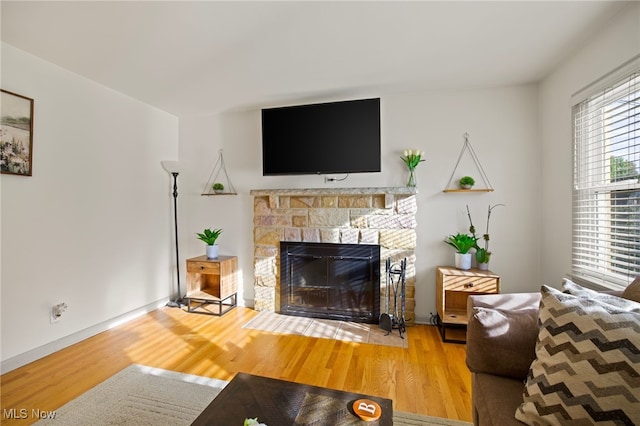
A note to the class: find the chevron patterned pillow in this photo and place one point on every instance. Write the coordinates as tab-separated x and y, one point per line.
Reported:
587	366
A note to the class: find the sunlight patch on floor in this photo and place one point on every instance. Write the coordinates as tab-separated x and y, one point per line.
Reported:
326	329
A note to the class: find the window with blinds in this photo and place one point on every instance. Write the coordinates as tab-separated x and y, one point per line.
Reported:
606	190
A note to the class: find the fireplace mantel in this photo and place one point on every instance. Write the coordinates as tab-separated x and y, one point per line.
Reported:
402	190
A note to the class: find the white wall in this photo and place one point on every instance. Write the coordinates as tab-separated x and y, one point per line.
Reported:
612	45
503	126
92	227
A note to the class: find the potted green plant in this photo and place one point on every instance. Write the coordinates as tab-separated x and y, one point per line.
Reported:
482	257
218	187
466	182
462	243
209	237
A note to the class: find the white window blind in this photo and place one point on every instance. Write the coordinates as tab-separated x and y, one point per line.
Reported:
606	190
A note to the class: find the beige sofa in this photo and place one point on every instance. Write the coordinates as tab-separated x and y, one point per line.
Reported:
501	338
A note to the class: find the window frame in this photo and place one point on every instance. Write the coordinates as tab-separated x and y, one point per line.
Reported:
596	248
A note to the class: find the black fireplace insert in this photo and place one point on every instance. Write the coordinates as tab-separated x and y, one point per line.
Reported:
333	281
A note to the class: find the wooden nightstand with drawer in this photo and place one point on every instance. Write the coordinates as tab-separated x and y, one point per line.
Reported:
212	283
453	287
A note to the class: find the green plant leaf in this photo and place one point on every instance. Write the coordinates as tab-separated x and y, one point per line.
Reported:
461	242
209	236
467	180
482	255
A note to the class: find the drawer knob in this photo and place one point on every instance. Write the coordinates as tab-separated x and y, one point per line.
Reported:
201	267
469	285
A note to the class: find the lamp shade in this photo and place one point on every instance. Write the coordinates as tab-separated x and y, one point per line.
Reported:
171	166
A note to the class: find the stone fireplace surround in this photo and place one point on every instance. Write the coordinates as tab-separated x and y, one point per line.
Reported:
384	216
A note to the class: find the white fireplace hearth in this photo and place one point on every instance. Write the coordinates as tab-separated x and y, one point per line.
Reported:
384	216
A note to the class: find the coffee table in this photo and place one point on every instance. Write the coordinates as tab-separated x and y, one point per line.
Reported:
282	403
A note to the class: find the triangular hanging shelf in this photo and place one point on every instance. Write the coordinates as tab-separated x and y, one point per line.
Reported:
213	178
483	175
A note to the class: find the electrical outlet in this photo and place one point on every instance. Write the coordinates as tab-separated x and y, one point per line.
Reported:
57	311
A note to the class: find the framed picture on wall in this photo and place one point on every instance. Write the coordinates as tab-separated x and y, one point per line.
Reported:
16	134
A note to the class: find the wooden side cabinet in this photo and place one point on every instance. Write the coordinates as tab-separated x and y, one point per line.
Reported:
453	287
212	284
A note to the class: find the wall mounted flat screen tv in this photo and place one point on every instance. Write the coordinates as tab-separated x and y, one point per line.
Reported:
327	138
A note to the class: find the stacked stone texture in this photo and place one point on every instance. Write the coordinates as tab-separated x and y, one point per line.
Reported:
330	216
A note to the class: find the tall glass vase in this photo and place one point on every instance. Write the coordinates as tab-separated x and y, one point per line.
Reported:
412	179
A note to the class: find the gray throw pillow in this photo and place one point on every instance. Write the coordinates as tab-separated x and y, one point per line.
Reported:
619	302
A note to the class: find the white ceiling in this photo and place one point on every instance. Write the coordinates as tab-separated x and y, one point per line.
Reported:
193	58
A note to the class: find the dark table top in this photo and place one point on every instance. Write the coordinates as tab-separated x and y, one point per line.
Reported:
283	403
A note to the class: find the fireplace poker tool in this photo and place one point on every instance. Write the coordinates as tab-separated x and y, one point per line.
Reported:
396	282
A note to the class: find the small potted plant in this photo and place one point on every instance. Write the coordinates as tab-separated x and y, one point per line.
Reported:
462	243
209	237
218	187
482	257
466	182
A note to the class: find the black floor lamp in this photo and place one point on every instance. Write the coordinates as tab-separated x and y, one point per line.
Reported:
173	168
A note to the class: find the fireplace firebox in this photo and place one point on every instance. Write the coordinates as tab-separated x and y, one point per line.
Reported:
332	281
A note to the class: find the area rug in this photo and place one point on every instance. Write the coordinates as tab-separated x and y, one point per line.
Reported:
141	396
326	329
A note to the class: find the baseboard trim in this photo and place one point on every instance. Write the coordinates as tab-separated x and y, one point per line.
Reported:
51	347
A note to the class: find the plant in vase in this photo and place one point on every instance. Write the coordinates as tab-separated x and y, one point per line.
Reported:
462	243
412	157
218	187
482	258
209	237
466	182
483	255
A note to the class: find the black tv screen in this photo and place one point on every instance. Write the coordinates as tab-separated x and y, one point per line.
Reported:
334	137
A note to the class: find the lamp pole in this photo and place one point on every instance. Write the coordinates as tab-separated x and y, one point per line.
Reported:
178	301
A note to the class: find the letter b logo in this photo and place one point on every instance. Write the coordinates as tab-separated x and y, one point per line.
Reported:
367	410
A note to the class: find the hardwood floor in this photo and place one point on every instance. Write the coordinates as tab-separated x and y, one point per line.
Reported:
429	378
